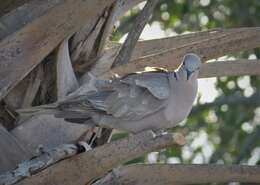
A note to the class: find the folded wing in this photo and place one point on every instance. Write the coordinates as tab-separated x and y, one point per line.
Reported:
130	98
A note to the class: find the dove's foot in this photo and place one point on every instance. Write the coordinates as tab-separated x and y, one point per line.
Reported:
158	132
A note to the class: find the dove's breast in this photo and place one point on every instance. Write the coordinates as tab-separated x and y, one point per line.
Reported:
180	101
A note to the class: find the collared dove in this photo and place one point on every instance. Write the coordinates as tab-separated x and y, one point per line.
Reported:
142	101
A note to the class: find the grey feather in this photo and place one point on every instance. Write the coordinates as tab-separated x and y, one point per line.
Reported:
156	82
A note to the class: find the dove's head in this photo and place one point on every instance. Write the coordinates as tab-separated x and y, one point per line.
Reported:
191	65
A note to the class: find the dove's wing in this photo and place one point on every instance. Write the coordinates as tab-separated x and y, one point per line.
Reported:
135	96
130	98
156	82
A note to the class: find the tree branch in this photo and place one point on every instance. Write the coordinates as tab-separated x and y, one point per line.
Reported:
86	167
23	12
84	41
169	52
230	41
31	44
141	20
208	45
230	68
156	46
42	161
8	5
88	42
174	174
118	10
23	94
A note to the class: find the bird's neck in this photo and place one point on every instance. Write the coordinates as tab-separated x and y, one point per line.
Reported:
181	74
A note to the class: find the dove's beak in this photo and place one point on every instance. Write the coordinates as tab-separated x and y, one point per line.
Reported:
189	73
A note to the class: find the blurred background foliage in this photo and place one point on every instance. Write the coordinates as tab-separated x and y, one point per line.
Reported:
227	130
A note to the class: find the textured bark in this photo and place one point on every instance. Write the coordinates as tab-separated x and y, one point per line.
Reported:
23	12
41	161
156	46
208	45
89	42
24	93
230	68
88	166
117	11
139	23
27	47
8	5
85	41
174	174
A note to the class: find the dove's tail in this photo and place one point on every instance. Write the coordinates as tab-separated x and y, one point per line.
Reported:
38	110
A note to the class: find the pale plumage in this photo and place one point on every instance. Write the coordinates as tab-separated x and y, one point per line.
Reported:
136	102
